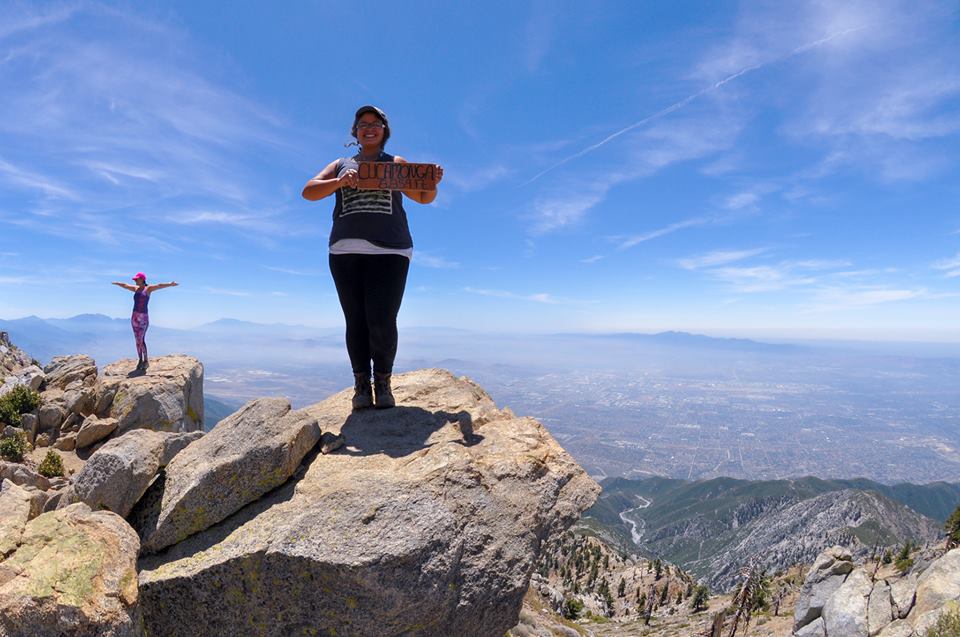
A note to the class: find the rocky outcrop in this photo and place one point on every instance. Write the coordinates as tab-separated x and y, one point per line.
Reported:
22	475
426	522
247	454
798	532
17	506
12	358
118	473
72	574
168	397
891	605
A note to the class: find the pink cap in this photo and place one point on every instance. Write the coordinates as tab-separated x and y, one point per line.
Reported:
139	275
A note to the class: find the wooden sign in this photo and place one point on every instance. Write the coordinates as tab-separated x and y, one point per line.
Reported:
379	175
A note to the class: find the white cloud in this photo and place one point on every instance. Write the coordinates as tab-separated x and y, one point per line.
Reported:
951	266
432	261
718	257
634	240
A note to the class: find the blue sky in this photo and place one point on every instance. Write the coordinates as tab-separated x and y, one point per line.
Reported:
758	167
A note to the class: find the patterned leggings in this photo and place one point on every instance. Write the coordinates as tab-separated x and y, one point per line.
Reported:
140	321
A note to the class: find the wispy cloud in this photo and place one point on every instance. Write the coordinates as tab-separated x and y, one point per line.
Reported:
593	259
629	242
808	46
950	267
539	297
433	261
718	257
227	292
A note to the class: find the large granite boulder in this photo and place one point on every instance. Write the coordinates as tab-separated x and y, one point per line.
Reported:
22	475
17	507
168	397
73	574
879	608
247	454
845	612
94	430
117	474
937	586
428	521
828	572
70	373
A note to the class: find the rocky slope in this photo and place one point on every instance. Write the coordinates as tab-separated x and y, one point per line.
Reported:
425	519
717	528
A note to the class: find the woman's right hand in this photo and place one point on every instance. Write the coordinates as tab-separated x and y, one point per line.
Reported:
348	178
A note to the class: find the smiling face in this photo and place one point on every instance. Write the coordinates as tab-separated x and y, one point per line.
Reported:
370	130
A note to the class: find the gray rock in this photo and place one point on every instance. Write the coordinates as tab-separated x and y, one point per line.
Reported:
826	575
51	415
15	507
30	424
73	574
72	423
117	474
70	372
22	476
427	522
169	397
937	586
80	401
813	629
10	431
879	608
897	628
247	454
175	443
94	429
43	440
904	592
845	613
33	377
61	498
66	442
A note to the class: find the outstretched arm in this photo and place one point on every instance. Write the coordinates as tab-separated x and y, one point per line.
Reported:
125	286
160	286
326	182
421	196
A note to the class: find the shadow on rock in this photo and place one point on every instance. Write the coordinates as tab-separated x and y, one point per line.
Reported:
400	431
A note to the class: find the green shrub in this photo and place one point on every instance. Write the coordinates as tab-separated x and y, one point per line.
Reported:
572	608
52	465
13	447
948	625
904	564
952	527
18	401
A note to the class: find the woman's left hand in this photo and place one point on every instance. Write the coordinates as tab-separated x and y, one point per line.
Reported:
439	173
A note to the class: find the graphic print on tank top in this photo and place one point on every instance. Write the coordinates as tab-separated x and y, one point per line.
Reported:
370	201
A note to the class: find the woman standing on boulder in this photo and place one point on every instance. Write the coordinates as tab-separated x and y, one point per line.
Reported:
370	252
140	320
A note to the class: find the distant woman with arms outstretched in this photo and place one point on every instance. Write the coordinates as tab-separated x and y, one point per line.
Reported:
370	252
140	320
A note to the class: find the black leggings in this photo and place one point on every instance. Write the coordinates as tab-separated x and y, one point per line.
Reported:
370	287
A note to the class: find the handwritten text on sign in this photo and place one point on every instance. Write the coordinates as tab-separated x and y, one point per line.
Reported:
378	175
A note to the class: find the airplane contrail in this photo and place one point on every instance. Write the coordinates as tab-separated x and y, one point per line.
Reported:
678	105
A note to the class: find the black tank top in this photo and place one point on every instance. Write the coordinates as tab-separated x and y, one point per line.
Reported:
375	215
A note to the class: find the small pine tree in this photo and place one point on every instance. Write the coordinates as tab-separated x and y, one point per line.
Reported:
658	568
952	527
700	597
887	557
679	598
663	594
622	588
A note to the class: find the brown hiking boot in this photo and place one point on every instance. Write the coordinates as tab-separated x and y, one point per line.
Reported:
362	392
381	386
